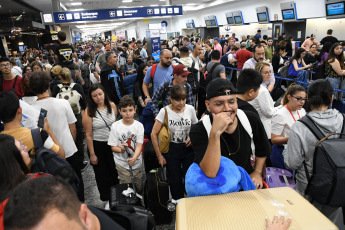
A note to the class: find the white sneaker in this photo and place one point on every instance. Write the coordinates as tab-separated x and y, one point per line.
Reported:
107	206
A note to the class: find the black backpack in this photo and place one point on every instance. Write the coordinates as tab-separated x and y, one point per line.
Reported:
327	184
47	161
207	76
320	72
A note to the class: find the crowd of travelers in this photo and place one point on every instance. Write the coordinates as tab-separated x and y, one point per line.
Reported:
206	92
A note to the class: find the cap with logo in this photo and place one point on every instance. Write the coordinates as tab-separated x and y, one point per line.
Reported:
180	70
220	87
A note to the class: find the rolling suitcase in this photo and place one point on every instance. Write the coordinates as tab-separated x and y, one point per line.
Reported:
150	158
276	177
157	196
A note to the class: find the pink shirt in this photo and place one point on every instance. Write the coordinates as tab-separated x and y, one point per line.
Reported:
219	48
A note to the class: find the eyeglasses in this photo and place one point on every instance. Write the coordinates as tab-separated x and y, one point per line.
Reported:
5	65
220	104
300	98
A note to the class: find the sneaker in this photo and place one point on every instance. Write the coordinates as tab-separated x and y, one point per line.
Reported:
106	207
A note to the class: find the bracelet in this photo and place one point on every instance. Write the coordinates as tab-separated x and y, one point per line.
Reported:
147	97
258	171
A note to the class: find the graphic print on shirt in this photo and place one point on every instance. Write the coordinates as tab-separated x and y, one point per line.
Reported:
179	135
66	53
124	137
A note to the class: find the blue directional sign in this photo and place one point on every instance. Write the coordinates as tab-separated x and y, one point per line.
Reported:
109	14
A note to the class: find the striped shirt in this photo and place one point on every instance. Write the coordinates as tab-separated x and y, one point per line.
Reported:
100	130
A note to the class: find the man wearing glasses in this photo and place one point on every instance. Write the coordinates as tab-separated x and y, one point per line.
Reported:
9	81
224	131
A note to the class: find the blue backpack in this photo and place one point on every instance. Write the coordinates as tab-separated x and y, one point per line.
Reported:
147	119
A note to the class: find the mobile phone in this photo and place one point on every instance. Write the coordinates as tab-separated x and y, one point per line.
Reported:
43	114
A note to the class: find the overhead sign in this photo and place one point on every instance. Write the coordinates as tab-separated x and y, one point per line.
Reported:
109	14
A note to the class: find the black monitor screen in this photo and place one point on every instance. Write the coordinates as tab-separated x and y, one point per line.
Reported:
238	20
213	23
288	14
230	20
207	22
262	17
335	9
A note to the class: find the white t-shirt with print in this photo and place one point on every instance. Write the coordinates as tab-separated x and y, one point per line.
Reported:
282	120
60	115
179	123
119	134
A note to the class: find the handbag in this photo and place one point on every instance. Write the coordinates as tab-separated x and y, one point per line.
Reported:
164	134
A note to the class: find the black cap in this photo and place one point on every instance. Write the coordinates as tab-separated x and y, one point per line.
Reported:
220	87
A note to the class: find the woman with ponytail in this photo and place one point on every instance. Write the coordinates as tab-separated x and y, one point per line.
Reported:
301	144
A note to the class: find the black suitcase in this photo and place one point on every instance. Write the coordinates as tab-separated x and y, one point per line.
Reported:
157	196
150	158
118	201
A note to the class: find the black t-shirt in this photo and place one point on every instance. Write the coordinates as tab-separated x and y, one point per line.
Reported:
64	53
106	222
230	142
245	106
330	39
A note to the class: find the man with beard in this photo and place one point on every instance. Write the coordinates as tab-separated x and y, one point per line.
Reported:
223	131
162	72
259	55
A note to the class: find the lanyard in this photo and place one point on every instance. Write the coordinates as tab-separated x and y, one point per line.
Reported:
299	117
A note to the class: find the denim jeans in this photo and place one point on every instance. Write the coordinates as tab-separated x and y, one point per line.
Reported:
303	77
338	84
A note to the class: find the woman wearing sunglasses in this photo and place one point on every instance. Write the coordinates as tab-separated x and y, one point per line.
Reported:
283	119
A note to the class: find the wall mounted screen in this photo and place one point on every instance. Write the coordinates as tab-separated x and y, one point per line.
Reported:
230	20
288	14
238	20
262	17
335	9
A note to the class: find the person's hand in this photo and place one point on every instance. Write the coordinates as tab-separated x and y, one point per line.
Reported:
221	121
131	161
93	159
188	142
161	160
83	83
257	179
278	224
46	126
123	145
147	100
284	54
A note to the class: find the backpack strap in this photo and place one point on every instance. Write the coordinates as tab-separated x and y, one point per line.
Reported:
165	90
246	125
14	84
153	70
37	138
206	121
178	61
342	132
310	124
209	73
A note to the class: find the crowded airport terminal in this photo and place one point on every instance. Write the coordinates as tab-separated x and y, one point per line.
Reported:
172	114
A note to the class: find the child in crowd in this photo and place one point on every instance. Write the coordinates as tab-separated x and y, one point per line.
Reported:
126	140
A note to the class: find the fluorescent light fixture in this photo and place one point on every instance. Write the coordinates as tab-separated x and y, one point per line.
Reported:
122	7
127	0
63	6
191	4
81	9
20	43
154	5
76	3
162	0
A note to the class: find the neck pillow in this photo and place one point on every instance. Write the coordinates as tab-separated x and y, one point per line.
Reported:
230	178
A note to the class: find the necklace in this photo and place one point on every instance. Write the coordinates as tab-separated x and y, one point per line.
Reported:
239	142
178	114
292	114
42	98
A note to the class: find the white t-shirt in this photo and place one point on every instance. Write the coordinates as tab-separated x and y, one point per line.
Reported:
119	134
179	123
60	116
282	121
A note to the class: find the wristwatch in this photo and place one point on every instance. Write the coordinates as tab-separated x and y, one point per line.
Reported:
147	97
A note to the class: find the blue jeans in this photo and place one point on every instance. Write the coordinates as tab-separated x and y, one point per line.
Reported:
303	77
337	83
